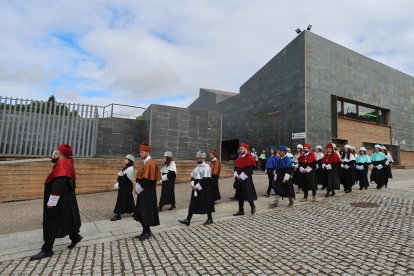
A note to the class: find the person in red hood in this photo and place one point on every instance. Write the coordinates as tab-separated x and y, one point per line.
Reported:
60	207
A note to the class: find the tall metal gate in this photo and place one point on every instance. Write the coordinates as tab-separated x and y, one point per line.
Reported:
35	128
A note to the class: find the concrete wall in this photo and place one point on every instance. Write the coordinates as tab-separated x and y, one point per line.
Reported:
271	103
182	131
334	69
208	99
118	137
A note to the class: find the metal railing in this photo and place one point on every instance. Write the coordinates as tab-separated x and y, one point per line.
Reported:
112	111
35	128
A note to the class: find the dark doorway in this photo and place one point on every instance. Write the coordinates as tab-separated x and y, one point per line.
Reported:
229	149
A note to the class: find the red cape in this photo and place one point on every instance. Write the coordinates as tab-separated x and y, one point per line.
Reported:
329	159
246	161
62	167
309	159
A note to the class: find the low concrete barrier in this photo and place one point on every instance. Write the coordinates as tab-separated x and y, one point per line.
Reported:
23	179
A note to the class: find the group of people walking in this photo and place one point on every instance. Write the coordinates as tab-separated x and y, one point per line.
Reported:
306	169
328	168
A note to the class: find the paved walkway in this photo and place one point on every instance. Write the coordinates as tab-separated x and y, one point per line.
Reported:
325	237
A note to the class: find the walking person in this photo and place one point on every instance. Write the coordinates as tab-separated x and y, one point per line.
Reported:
283	178
270	168
60	208
215	175
362	163
125	200
330	165
243	183
262	160
307	165
168	175
296	178
146	210
319	172
201	197
348	163
378	159
390	160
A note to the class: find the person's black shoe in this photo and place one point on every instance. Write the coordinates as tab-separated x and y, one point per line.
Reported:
41	255
366	188
116	217
253	209
207	222
290	203
185	221
333	193
159	209
144	236
75	242
239	213
327	194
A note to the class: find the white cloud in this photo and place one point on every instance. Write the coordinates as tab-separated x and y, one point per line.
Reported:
141	51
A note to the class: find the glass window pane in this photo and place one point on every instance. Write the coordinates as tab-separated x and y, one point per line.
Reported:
339	108
381	117
350	110
367	114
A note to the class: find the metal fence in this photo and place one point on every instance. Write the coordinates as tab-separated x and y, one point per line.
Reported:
35	128
115	110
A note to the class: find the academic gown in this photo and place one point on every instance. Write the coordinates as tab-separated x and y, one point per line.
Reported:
319	172
215	175
245	189
168	186
146	210
125	200
308	179
362	175
331	177
388	172
348	177
201	201
378	175
296	175
283	167
64	218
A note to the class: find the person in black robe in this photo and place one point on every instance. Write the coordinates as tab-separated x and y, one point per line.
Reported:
379	160
347	168
319	172
330	166
168	175
215	175
125	200
361	168
388	171
201	197
307	165
243	174
146	210
296	175
283	178
60	208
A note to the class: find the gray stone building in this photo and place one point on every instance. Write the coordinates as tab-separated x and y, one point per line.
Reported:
324	92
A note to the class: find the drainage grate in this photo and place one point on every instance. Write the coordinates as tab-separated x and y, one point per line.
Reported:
364	205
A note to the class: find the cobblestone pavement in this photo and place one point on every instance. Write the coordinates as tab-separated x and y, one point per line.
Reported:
326	237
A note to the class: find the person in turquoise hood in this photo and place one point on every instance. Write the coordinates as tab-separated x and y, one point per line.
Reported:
378	160
361	167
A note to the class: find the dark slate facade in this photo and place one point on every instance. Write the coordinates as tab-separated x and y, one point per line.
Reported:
182	131
118	137
296	92
332	69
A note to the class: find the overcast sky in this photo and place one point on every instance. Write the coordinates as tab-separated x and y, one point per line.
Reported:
142	52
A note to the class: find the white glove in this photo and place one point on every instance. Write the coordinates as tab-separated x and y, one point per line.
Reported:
116	186
301	169
323	166
287	177
317	166
379	167
342	165
198	187
265	170
235	174
275	177
308	169
53	200
121	173
346	167
164	177
328	167
387	163
138	188
296	166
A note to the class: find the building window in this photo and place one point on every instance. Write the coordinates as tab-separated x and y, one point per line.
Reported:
367	114
362	112
350	110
